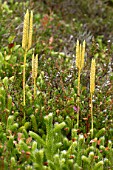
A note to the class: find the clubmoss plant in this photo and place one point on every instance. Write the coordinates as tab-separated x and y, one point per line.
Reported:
5	99
80	52
13	163
80	147
26	45
34	123
51	143
2	98
92	89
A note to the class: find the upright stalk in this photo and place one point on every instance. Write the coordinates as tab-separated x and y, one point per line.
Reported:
34	88
92	89
24	79
26	45
80	52
24	72
91	115
78	99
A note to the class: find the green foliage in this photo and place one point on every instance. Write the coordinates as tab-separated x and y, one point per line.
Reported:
49	138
